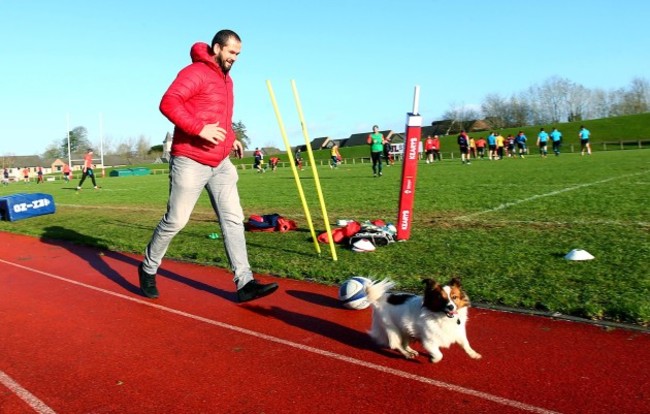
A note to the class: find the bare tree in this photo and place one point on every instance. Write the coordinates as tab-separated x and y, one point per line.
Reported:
107	144
142	146
126	148
577	101
637	96
599	104
496	110
552	98
462	117
53	151
559	99
520	111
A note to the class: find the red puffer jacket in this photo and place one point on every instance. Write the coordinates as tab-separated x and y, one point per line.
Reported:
201	94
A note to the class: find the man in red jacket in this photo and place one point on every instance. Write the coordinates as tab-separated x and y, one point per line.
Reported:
199	103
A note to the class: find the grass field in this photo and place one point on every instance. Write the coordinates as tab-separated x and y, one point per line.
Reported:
502	226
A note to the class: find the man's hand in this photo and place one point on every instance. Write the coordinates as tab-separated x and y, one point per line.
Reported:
213	133
238	149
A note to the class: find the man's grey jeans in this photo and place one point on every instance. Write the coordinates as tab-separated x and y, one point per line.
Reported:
187	179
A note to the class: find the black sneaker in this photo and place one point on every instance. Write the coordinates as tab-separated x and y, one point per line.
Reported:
147	283
254	290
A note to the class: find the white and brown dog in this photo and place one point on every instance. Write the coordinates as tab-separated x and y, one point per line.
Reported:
436	319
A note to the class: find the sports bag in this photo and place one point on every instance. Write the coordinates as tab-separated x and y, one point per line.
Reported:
378	237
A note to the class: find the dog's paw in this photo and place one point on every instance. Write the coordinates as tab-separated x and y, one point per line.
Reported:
475	355
435	359
412	351
410	354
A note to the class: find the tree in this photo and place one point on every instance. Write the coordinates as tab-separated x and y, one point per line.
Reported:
552	96
126	148
142	146
558	99
495	109
636	98
461	116
54	151
577	100
78	141
240	133
599	104
520	111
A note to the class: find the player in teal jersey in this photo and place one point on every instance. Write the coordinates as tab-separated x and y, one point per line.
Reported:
542	141
584	140
556	138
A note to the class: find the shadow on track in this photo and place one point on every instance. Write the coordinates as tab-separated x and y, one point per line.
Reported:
95	257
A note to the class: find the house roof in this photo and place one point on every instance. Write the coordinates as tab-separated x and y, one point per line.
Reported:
361	138
449	126
318	143
270	150
21	161
397	137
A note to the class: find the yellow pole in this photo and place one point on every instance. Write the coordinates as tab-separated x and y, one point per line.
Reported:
314	171
293	167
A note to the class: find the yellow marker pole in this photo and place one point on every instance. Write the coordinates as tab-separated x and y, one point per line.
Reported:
293	167
314	170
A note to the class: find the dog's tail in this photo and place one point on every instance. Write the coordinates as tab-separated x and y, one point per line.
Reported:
376	290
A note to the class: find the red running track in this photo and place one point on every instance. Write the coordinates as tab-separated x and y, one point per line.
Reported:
77	337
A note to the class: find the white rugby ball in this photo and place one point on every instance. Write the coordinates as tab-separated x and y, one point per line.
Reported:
352	293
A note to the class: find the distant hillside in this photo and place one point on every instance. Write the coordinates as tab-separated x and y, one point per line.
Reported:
621	128
630	127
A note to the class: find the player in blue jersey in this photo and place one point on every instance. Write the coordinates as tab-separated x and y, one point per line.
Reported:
556	139
584	135
521	143
492	145
542	142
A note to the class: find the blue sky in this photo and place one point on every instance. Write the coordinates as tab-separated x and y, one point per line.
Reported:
355	63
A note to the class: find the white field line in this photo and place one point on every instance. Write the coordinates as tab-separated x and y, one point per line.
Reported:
552	193
36	404
505	222
100	207
327	354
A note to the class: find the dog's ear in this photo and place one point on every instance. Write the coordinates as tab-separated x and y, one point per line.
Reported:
430	283
456	282
431	297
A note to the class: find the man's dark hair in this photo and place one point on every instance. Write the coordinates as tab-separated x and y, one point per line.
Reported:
223	36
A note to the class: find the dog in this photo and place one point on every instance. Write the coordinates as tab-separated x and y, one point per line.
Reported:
437	319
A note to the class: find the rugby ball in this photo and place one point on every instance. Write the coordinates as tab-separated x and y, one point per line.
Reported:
352	293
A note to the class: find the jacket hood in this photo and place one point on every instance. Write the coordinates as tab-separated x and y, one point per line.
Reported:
202	52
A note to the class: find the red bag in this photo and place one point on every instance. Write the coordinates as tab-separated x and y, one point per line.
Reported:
338	235
351	228
285	225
